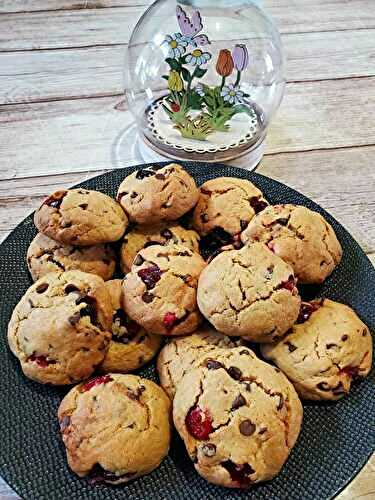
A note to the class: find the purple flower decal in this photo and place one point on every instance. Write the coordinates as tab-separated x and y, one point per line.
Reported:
240	57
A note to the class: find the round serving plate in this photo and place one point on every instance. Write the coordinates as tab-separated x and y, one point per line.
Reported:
336	438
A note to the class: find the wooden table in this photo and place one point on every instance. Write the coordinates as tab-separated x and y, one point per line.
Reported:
62	111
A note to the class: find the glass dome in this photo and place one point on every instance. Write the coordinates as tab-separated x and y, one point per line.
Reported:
203	78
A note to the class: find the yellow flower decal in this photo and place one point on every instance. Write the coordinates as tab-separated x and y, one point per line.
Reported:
175	82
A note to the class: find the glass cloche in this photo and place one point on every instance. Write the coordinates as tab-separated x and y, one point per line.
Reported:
203	78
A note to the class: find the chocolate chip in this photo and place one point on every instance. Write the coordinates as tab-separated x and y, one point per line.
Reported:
83	206
238	402
212	364
121	195
209	450
186	253
280	403
291	347
344	338
239	472
70	288
364	332
160	177
235	372
141	174
41	288
247	428
323	386
329	346
73	320
257	204
243	224
166	233
283	221
133	194
247	386
55	199
139	260
147	297
262	430
245	352
277	370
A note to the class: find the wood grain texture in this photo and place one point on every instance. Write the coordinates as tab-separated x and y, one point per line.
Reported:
98	71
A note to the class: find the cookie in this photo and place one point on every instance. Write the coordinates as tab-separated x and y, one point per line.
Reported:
249	292
155	194
301	237
162	234
160	292
80	217
131	346
183	353
225	207
238	416
59	329
115	427
325	351
46	255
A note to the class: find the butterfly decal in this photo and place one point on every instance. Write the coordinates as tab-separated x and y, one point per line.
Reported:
191	28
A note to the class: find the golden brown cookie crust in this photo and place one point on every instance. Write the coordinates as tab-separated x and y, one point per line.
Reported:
119	422
59	329
131	346
238	416
165	233
182	354
160	292
81	217
228	203
249	292
46	255
153	195
301	237
322	355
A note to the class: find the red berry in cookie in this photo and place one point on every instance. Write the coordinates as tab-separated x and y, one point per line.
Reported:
199	423
150	276
102	379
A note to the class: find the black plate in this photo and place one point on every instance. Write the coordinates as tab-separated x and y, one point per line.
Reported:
335	442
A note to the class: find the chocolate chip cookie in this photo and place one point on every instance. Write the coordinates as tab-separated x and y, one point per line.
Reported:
131	346
249	292
238	416
155	194
46	255
59	329
301	237
115	427
182	354
225	207
165	233
160	292
80	217
322	354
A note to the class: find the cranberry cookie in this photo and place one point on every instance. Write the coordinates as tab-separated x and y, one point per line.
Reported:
165	233
238	416
249	292
154	194
322	354
59	329
46	255
115	427
81	217
182	354
131	346
160	292
301	237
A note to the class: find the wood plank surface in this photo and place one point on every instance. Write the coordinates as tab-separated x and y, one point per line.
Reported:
98	71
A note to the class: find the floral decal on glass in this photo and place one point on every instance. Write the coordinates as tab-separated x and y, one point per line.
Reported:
197	109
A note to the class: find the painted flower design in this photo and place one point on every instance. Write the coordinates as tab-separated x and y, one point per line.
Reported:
199	89
177	45
198	57
231	94
240	57
175	82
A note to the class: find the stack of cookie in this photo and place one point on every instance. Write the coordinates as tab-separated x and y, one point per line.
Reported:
210	270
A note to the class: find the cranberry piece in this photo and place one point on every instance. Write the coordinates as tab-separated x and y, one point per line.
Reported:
306	310
239	473
175	107
199	423
41	361
169	320
150	276
351	371
289	284
271	246
258	204
214	241
102	379
55	199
